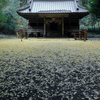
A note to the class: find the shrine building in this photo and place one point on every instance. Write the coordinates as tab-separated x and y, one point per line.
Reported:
53	18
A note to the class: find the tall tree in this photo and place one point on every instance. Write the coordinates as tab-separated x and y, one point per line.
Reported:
94	7
2	11
9	19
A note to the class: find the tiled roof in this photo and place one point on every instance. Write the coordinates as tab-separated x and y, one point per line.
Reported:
53	6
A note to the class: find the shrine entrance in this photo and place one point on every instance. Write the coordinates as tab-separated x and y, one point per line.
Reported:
53	29
53	26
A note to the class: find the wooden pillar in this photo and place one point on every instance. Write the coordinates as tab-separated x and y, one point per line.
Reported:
70	24
26	33
78	24
37	30
21	31
44	27
62	26
85	34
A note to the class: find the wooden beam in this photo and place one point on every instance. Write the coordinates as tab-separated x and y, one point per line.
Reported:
62	26
54	15
48	20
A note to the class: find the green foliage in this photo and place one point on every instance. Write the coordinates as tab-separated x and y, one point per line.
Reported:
93	29
9	19
2	3
91	22
9	25
3	17
88	20
94	7
90	28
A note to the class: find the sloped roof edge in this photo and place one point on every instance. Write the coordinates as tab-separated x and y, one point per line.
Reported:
23	8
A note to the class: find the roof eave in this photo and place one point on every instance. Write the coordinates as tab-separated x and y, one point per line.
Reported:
27	15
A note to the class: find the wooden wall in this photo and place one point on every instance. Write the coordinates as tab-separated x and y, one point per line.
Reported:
71	25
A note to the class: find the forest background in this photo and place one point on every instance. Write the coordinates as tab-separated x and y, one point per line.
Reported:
10	21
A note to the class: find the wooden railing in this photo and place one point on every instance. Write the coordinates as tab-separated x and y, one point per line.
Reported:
34	30
81	35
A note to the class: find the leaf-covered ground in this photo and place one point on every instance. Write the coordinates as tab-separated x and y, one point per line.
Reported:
49	69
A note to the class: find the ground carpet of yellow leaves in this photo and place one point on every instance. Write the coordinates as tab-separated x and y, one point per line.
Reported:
49	69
